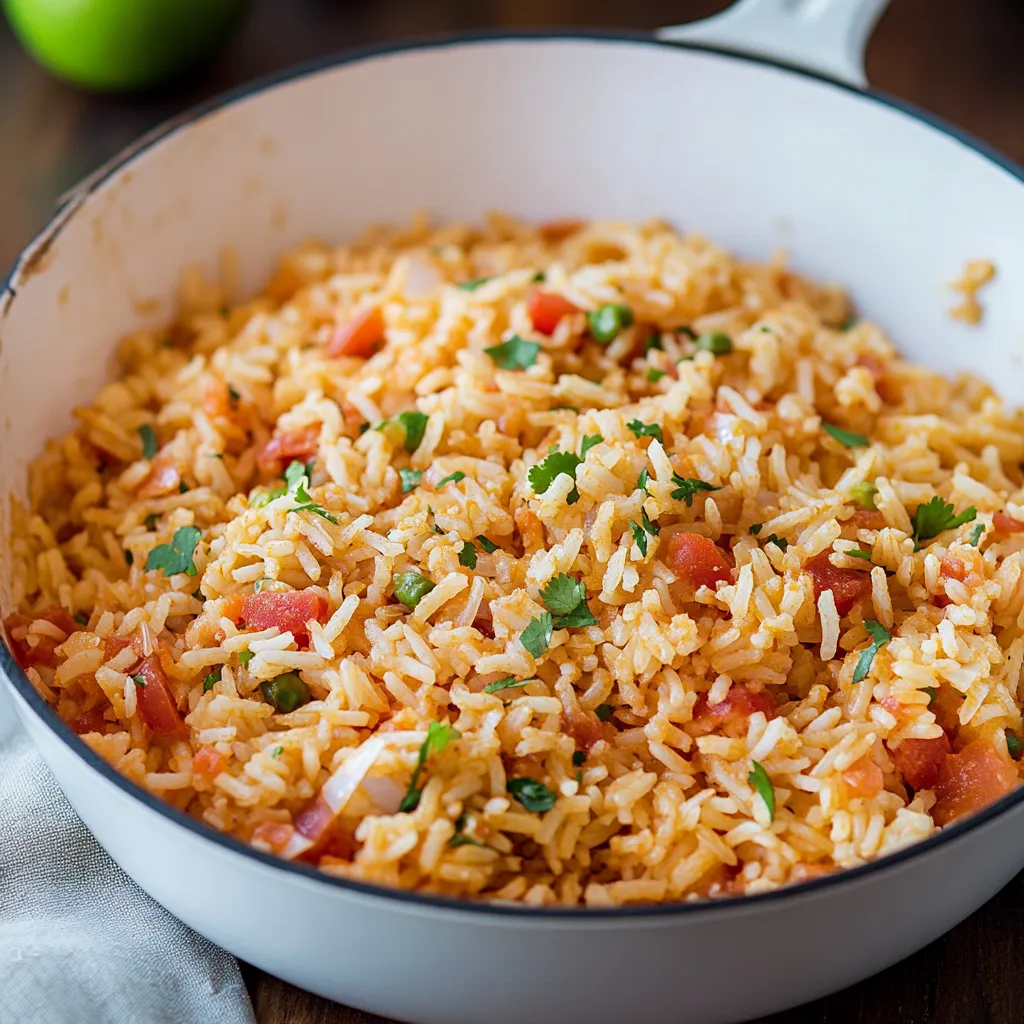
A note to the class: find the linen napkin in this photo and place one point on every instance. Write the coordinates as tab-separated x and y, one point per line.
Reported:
80	943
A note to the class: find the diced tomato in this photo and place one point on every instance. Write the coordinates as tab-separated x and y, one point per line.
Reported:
698	560
288	611
314	819
866	519
972	779
531	529
163	479
559	230
276	834
863	778
848	586
1003	522
89	721
279	451
155	701
920	761
731	715
114	645
208	763
546	310
359	337
42	652
217	401
586	729
945	706
892	705
233	607
953	568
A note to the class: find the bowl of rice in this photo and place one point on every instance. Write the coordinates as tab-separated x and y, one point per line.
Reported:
633	577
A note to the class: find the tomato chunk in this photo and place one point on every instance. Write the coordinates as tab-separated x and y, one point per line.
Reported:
360	337
208	763
585	729
866	519
1004	523
920	761
972	779
731	715
863	778
546	310
848	586
41	652
89	721
289	611
698	560
157	705
279	451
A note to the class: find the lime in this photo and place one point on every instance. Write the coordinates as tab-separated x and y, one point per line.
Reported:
121	44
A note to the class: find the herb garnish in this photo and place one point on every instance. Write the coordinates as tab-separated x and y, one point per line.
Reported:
212	678
151	520
606	322
858	553
451	478
149	442
139	681
641	480
654	375
514	354
718	343
864	494
578	758
639	537
566	597
505	684
471	286
411	479
543	474
178	555
845	437
759	779
438	737
1013	744
489	546
411	588
755	528
976	534
646	430
244	657
779	542
533	795
80	619
687	488
936	516
880	636
467	555
537	635
653	340
604	712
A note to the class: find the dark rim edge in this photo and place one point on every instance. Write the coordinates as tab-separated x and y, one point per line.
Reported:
20	683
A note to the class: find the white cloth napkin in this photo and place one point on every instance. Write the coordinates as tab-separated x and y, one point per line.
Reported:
80	943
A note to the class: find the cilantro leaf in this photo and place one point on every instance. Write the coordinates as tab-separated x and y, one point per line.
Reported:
755	528
563	594
578	758
533	795
244	657
151	520
879	637
653	340
149	442
542	475
308	505
514	354
976	534
139	681
587	443
639	537
858	553
645	429
654	375
471	286
438	737
508	683
537	635
415	424
687	488
489	546
845	437
645	521
211	680
178	555
641	480
936	516
297	474
604	712
451	478
411	479
467	555
759	779
779	542
579	616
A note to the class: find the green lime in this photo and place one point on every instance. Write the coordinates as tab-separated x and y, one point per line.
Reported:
121	44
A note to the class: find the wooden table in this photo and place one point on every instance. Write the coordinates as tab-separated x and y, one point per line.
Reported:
958	58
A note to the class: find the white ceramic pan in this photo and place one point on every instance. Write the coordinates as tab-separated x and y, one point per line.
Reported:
746	148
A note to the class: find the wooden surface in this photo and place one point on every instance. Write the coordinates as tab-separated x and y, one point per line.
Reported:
961	59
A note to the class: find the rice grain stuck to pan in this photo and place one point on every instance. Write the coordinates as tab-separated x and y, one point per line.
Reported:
579	563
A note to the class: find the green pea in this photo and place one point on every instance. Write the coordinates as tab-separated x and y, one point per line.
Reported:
286	692
715	342
411	588
605	322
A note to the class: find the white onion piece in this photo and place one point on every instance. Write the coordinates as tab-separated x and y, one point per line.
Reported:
347	777
385	793
420	279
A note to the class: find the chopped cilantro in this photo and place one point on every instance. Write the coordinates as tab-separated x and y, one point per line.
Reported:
604	712
864	494
151	520
932	694
779	542
81	619
533	795
689	332
557	463
976	534
588	442
277	752
538	277
438	737
653	340
936	516
128	556
308	505
197	594
508	683
215	455
759	779
718	343
149	442
607	321
139	681
641	480
848	323
567	408
451	478
211	680
1013	744
578	758
514	354
364	427
471	286
537	635
687	488
755	528
414	423
562	594
880	636
244	657
182	487
411	588
178	555
845	437
580	616
645	429
858	553
639	537
233	395
645	521
654	375
467	555
489	546
411	479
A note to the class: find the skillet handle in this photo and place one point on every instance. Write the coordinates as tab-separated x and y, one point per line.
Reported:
825	36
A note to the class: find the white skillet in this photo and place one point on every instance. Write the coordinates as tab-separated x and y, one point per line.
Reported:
758	155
